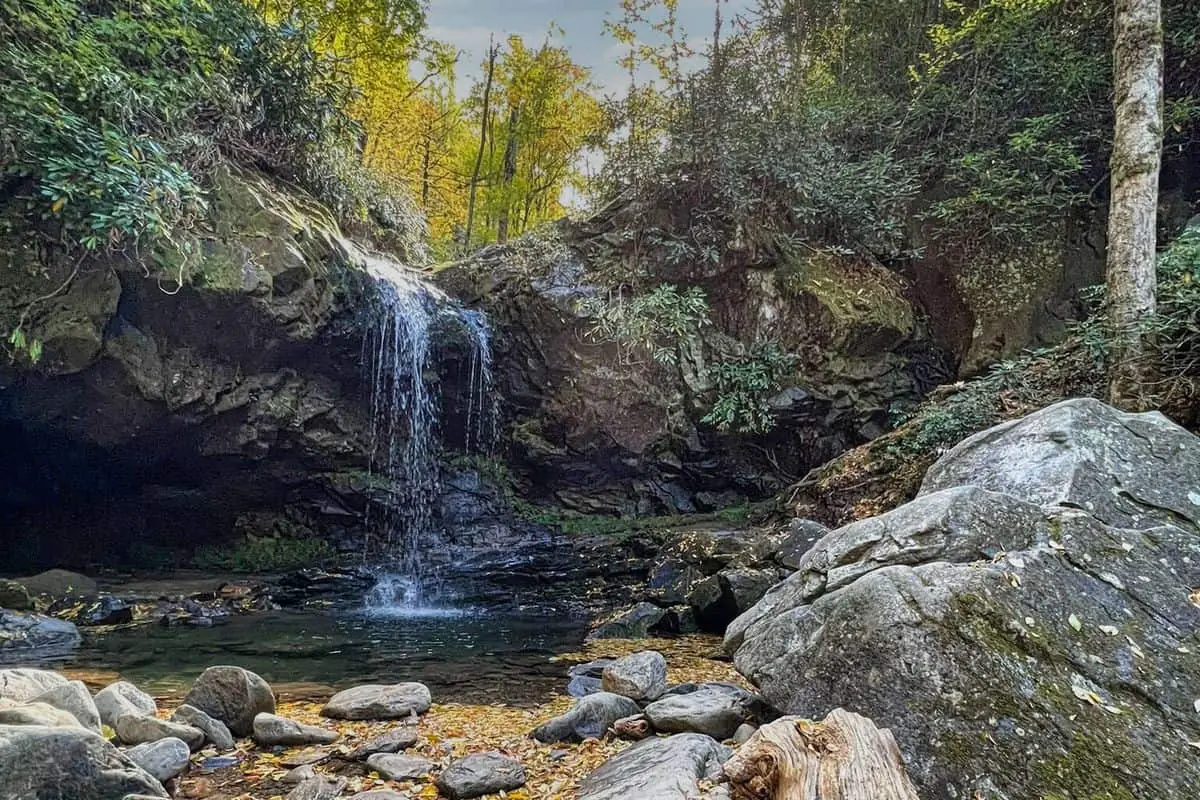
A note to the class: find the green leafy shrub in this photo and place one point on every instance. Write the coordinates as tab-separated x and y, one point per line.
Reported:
657	322
745	384
254	554
115	112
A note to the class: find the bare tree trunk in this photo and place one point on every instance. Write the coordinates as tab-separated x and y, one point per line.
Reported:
1136	157
510	172
493	52
843	757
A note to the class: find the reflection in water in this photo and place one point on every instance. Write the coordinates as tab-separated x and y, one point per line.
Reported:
471	658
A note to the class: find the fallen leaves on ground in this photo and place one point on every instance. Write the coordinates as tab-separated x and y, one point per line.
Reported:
450	731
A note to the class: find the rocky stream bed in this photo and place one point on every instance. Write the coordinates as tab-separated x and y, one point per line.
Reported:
1027	627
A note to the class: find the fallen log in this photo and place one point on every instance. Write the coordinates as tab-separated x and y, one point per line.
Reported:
843	757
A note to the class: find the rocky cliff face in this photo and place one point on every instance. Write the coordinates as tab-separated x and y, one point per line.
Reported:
602	425
1026	627
182	400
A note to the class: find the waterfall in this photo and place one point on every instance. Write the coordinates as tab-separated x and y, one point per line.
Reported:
406	412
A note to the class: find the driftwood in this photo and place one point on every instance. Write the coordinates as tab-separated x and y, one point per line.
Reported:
636	727
843	757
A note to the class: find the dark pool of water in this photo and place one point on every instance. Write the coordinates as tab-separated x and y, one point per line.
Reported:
472	657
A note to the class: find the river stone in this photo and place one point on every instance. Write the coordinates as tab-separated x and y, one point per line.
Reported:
397	701
120	698
480	774
391	742
640	676
589	718
1013	650
164	759
743	733
633	623
663	769
62	763
745	587
585	678
400	768
318	788
14	596
271	730
233	695
215	731
22	684
44	636
299	774
74	698
60	583
380	794
708	711
35	713
132	729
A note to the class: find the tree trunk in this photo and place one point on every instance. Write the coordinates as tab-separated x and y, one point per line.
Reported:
510	172
843	757
493	52
1136	156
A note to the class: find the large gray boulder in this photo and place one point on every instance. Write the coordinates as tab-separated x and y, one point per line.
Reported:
1029	634
121	698
215	731
639	676
397	701
22	684
38	763
589	718
663	769
233	695
164	759
480	774
35	713
1126	470
133	729
707	710
271	730
74	698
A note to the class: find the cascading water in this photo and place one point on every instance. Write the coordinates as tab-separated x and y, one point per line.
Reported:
405	415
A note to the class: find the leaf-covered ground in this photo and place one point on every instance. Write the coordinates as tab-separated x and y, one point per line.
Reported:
448	731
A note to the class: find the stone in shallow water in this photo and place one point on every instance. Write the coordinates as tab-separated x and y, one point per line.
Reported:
68	763
397	701
120	698
663	769
589	718
233	695
22	684
75	699
137	730
640	676
163	759
400	768
480	774
391	742
215	731
45	636
271	730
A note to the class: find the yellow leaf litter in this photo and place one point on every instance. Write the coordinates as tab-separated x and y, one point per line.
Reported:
451	730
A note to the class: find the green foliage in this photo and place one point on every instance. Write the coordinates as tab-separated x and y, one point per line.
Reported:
254	554
114	113
658	322
745	384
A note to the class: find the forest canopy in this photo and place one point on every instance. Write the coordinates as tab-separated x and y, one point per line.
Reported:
831	123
